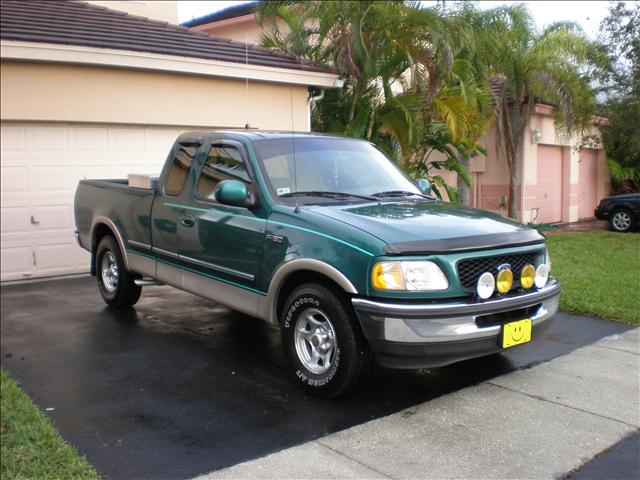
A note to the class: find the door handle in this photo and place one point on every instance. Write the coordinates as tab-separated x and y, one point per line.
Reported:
188	221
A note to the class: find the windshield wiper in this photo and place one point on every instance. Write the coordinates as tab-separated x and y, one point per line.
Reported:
400	193
321	193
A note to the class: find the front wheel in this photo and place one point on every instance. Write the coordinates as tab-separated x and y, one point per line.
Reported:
324	345
621	221
116	285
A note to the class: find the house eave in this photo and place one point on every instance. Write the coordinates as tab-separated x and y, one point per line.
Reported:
112	58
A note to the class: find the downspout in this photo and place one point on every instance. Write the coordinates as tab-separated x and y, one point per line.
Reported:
312	99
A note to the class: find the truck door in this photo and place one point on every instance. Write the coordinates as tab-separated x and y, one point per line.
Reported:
174	184
222	241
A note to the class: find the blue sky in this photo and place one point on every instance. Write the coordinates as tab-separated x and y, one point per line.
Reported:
586	13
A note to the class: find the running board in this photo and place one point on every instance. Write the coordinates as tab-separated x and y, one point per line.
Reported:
142	282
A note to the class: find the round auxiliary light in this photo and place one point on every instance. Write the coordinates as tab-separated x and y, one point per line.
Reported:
504	280
486	285
527	276
542	275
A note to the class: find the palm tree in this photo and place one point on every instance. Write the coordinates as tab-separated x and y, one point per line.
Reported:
403	86
531	66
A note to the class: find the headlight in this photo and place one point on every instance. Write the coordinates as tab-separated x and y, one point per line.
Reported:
408	275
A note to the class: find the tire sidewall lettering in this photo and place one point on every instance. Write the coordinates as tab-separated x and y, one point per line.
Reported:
301	303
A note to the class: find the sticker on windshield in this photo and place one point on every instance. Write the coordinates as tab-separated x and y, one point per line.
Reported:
283	191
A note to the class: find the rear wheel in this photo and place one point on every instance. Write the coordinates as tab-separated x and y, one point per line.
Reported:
116	285
621	220
327	353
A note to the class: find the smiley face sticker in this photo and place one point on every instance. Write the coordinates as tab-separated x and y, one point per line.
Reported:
516	333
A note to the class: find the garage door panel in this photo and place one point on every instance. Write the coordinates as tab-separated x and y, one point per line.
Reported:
90	139
15	220
53	218
17	261
549	184
160	140
51	179
13	138
14	179
127	139
54	258
48	139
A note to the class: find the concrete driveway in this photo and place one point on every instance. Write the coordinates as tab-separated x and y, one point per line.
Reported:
180	387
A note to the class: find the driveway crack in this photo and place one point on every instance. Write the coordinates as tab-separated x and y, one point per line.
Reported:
537	397
385	475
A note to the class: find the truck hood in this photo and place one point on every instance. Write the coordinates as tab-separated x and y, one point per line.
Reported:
410	227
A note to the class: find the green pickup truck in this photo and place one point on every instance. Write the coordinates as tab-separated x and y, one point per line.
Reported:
326	238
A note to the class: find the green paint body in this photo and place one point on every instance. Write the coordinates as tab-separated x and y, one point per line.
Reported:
250	244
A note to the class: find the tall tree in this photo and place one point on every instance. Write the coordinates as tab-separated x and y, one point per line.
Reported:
531	66
403	85
618	80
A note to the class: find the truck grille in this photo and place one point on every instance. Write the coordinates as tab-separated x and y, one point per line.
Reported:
470	269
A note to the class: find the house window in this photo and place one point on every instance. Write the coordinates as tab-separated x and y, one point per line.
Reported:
224	162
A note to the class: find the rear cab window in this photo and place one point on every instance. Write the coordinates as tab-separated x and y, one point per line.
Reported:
179	170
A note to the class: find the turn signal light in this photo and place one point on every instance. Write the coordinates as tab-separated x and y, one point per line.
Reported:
527	276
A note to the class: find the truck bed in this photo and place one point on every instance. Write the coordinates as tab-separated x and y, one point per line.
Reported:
129	208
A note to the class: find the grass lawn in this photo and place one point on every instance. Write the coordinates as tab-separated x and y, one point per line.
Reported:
31	447
599	272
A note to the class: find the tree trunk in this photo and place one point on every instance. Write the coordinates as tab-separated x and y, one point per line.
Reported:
463	190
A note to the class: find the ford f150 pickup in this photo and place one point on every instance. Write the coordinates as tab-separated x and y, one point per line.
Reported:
326	238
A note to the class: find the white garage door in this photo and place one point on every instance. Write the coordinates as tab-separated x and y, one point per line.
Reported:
40	168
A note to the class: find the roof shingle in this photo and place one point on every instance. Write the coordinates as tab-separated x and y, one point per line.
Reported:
70	22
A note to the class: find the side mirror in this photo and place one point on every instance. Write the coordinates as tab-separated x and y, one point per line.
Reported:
235	193
424	185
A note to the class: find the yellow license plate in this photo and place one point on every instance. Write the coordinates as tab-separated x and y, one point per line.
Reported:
515	333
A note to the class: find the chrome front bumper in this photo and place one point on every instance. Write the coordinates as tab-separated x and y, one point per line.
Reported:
435	334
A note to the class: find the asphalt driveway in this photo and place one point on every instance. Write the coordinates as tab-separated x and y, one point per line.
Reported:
180	386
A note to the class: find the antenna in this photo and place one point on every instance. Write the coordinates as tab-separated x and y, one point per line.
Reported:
293	145
246	80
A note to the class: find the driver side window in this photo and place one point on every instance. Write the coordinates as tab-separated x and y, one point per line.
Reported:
224	162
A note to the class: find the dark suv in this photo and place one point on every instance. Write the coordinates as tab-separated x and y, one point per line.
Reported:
621	211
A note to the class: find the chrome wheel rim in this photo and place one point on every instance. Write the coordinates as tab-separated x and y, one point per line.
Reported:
110	272
622	221
315	340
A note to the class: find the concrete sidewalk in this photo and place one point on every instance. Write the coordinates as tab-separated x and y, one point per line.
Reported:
541	422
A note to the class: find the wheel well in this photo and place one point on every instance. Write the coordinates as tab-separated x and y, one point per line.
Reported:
304	276
99	232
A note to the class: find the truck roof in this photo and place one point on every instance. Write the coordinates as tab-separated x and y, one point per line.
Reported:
260	134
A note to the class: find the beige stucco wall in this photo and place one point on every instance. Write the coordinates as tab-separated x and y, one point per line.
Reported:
158	10
73	93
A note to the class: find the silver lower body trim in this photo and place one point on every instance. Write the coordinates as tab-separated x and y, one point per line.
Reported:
230	296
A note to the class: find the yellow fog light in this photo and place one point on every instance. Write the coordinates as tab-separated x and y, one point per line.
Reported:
527	276
504	280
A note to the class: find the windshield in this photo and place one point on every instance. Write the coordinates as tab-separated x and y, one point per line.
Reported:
329	167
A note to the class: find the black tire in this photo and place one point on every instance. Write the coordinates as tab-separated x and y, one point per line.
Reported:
124	292
622	220
350	359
